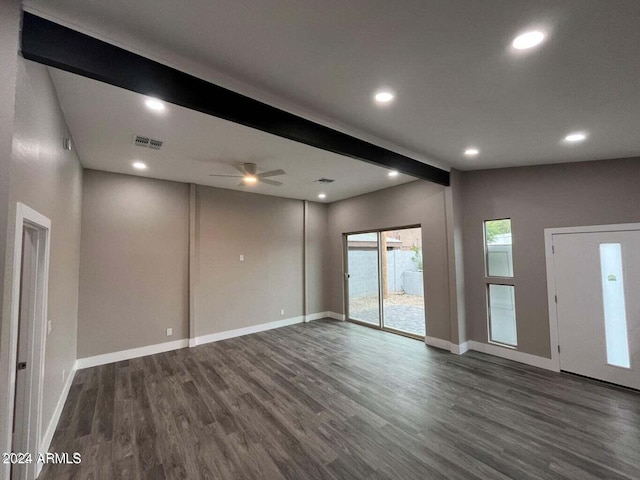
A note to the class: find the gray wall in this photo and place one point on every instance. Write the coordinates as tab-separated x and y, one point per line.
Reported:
413	203
49	179
9	35
317	250
9	38
134	263
535	198
455	240
268	231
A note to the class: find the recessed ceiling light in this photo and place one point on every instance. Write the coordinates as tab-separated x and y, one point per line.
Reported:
575	137
139	165
528	40
383	97
322	196
154	104
471	152
393	173
250	179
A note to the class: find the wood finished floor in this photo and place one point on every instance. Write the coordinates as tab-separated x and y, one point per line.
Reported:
333	400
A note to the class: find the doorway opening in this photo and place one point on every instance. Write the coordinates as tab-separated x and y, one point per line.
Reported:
384	285
28	330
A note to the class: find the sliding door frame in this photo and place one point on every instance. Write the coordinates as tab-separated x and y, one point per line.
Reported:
345	255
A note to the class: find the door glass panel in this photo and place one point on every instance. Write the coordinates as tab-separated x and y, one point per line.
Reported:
498	245
402	280
615	316
502	314
362	258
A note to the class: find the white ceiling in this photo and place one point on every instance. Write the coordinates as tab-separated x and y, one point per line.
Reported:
103	120
457	82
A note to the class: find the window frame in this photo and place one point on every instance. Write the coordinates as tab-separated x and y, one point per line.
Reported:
515	316
498	280
486	249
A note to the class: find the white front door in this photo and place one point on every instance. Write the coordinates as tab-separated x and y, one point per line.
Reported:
597	278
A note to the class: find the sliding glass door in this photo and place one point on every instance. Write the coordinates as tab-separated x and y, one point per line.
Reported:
363	275
384	280
403	290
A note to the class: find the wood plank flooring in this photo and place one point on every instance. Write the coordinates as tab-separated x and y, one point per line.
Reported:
333	400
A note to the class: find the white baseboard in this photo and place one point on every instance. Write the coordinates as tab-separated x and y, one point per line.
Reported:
238	332
336	316
515	355
316	316
131	353
460	349
45	441
495	350
438	343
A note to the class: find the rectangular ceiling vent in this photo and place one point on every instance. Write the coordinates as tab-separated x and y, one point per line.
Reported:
326	180
141	141
155	144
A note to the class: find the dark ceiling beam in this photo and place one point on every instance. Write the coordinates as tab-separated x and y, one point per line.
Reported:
52	44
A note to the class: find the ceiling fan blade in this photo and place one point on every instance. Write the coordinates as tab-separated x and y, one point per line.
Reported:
272	173
240	169
270	182
231	176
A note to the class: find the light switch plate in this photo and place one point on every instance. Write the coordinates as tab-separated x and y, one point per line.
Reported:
169	332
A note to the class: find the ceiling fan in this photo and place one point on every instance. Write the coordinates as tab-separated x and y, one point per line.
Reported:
250	175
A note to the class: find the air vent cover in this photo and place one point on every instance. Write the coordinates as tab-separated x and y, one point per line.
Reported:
155	144
326	180
141	141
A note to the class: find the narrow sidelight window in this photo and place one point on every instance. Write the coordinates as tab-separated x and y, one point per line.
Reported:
615	315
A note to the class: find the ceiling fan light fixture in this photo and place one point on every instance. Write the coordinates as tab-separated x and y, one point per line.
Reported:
250	179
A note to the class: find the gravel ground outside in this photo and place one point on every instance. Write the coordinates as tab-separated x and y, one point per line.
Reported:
401	311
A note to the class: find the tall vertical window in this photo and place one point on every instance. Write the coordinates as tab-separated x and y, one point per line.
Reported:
498	248
615	315
502	314
501	300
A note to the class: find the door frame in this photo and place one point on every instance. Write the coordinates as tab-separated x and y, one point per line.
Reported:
345	263
26	216
551	275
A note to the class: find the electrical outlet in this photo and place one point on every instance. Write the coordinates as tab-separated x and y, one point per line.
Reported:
282	311
242	258
49	327
169	332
